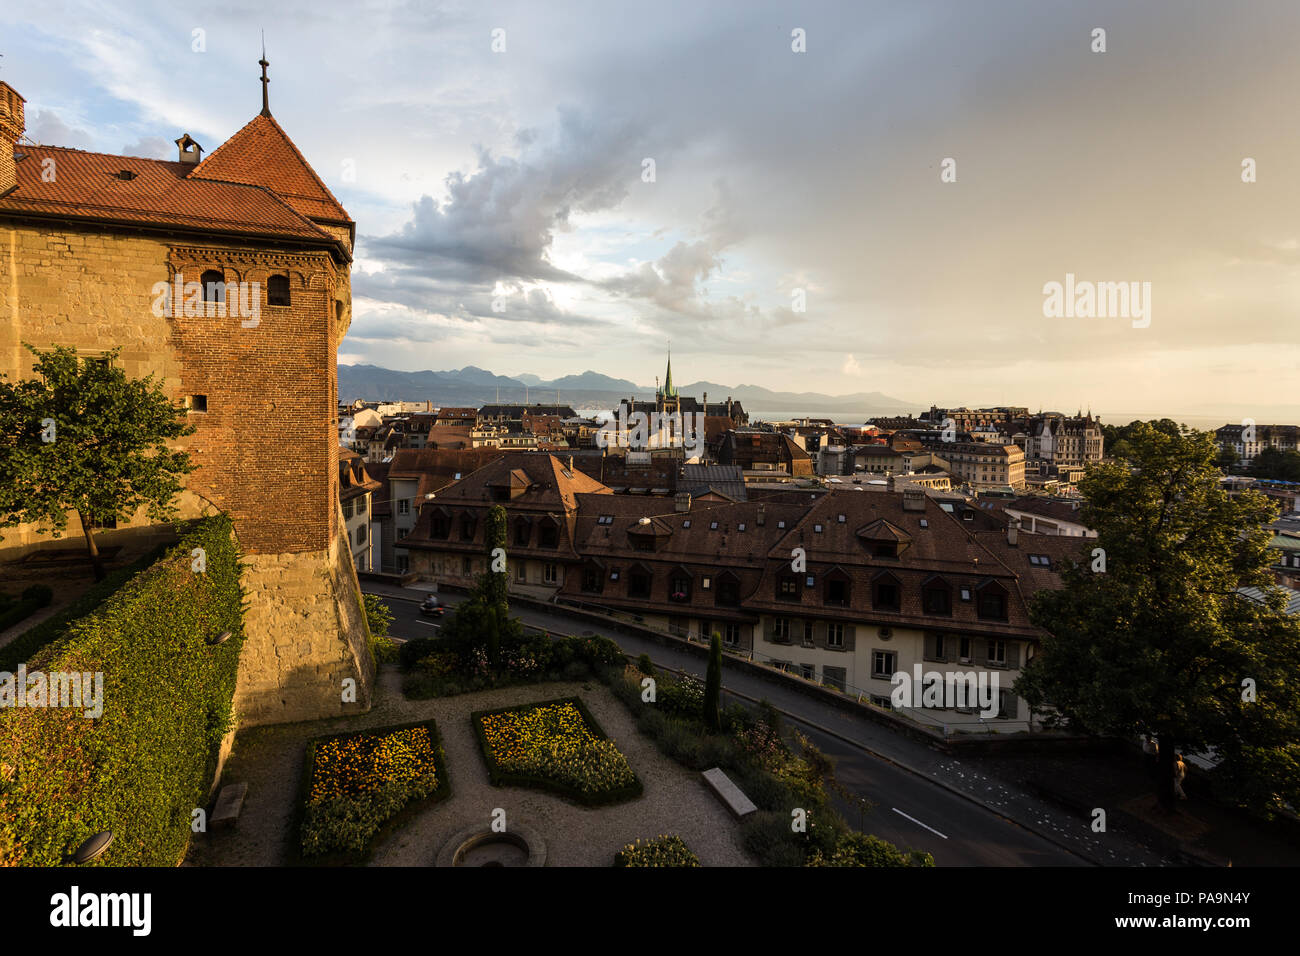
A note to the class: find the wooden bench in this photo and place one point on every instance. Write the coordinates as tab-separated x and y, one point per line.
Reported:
229	802
735	801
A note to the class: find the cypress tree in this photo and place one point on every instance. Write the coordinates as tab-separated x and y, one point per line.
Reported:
713	685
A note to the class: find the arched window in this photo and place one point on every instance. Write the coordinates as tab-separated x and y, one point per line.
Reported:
277	290
214	286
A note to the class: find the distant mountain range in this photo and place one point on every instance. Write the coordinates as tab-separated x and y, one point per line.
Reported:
476	386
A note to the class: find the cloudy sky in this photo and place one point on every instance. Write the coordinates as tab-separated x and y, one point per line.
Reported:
505	219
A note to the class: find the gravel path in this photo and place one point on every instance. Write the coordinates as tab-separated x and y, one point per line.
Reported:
676	801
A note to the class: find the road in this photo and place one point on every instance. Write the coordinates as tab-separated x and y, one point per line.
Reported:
908	809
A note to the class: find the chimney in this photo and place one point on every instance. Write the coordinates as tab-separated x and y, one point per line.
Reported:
1013	531
683	500
762	515
190	151
12	125
913	499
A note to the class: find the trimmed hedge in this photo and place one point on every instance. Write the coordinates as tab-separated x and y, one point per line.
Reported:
664	851
503	778
25	645
369	816
142	767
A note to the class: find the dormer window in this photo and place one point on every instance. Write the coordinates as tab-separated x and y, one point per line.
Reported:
886	595
548	534
467	527
713	526
992	602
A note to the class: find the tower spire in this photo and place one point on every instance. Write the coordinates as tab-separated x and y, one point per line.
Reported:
266	100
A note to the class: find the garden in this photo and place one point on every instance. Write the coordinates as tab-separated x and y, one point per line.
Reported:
358	786
558	746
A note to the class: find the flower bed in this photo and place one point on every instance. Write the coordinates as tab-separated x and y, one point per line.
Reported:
356	786
665	851
554	745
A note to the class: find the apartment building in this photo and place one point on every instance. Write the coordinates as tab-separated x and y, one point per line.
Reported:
984	465
842	588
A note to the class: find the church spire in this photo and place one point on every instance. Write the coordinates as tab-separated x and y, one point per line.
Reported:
669	391
266	100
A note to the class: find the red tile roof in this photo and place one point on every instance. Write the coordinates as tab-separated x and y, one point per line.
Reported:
88	186
261	154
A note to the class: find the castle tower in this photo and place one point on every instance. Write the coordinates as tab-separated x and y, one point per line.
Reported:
266	443
12	126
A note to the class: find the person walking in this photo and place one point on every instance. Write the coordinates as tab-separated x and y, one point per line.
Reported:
1151	749
1180	772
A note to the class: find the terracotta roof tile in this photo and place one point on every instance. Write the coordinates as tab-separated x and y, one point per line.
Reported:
261	154
88	186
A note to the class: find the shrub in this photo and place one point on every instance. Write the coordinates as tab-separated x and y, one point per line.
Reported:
356	785
414	651
861	849
140	768
684	697
554	745
664	851
39	593
645	665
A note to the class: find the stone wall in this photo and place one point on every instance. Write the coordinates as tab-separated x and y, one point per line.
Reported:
306	633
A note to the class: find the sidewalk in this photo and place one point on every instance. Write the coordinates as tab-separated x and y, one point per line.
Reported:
973	779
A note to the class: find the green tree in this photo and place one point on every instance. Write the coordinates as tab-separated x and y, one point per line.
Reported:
378	615
713	685
83	437
1226	458
483	619
1160	642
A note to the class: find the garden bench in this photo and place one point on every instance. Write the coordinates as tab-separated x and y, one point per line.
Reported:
739	804
229	802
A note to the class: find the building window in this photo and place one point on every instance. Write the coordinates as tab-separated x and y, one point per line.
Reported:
705	583
347	510
277	290
885	594
679	588
935	647
937	599
992	603
403	563
523	531
835	635
196	403
808	634
817	528
214	286
781	630
686	523
964	649
521	572
883	664
638	583
731	634
808	671
997	654
467	527
834	677
713	526
361	534
402	533
603	519
837	592
592	580
548	535
551	573
728	592
441	525
403	506
466	565
787	588
1040	560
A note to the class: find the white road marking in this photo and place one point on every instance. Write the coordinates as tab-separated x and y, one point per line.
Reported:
427	624
917	822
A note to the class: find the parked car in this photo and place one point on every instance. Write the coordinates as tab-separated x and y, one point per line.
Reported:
432	607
